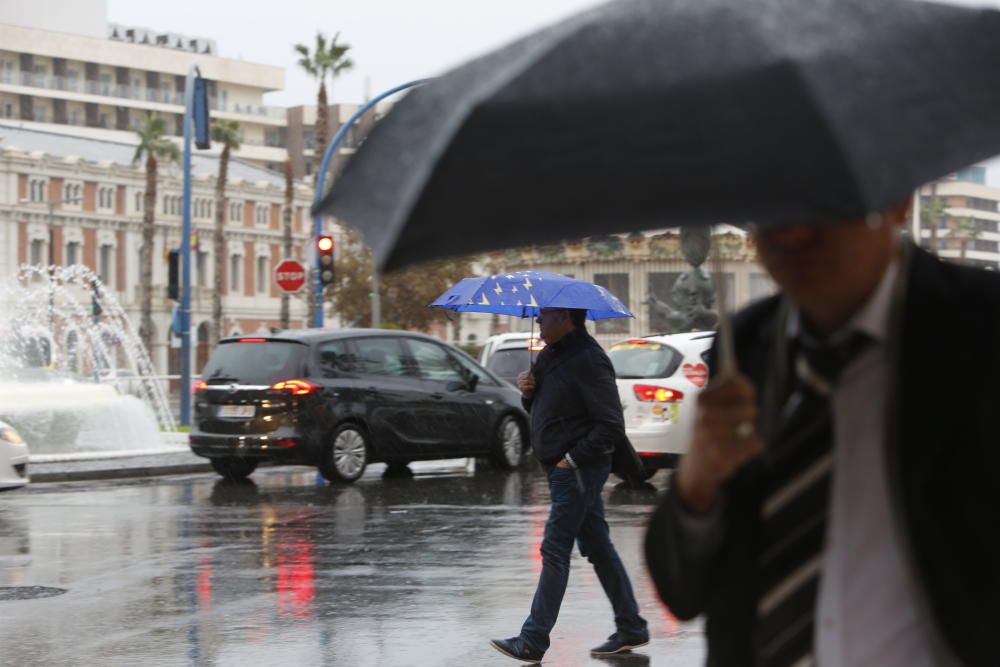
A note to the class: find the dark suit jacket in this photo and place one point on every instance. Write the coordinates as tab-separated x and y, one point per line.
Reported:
942	474
575	407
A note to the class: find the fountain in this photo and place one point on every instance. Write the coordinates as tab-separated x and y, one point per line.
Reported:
74	376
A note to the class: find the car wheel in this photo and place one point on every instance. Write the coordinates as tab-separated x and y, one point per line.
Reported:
346	458
233	468
508	444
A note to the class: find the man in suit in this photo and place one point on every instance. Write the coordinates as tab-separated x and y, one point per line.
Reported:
576	420
837	503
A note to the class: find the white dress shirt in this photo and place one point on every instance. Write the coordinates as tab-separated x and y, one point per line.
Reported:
867	612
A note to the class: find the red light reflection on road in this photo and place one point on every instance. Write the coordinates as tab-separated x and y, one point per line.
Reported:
204	585
296	580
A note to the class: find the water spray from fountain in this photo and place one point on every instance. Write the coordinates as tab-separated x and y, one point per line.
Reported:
74	375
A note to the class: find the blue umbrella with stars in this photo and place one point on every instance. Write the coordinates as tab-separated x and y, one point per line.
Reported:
526	293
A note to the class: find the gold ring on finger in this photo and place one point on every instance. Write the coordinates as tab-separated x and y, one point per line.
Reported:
744	429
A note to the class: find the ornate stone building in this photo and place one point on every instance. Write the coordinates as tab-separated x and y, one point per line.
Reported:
100	227
640	268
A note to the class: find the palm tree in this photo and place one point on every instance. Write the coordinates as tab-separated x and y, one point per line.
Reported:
326	59
286	237
965	230
227	133
934	215
153	145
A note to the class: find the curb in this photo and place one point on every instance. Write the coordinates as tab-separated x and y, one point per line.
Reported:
120	473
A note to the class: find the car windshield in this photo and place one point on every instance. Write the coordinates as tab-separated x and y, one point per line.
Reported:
508	364
255	363
644	359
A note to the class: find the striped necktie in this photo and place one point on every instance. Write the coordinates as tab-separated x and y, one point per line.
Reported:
799	463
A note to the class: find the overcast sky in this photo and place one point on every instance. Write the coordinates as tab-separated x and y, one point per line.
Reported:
392	41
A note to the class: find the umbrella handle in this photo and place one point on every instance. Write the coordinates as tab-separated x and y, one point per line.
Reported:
531	354
726	358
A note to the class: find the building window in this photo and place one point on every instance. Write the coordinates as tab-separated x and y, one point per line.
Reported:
104	263
36	189
236	212
617	284
8	110
235	263
72	253
140	200
200	264
260	214
262	274
106	198
37	252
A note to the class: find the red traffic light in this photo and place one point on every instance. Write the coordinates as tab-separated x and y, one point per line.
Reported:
324	243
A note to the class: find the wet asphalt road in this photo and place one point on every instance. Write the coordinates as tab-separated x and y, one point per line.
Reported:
290	571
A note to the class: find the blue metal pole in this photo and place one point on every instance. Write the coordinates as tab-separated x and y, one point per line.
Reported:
185	305
321	181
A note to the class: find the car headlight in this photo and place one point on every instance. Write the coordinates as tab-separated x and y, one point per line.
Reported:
8	434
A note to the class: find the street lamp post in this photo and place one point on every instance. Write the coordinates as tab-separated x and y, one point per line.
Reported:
321	181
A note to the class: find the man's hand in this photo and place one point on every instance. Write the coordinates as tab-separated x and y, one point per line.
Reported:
526	383
725	437
563	463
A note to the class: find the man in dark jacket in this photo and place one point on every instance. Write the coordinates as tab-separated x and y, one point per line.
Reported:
576	419
835	504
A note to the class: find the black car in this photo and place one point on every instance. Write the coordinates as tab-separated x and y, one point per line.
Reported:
341	399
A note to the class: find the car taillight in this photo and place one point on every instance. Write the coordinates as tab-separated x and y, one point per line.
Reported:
651	392
199	386
295	387
253	340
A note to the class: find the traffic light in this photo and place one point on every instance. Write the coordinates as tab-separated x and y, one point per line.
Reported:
324	249
174	275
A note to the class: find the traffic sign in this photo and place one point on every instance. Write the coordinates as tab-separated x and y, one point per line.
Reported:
290	275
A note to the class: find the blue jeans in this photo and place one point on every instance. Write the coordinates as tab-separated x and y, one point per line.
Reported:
578	515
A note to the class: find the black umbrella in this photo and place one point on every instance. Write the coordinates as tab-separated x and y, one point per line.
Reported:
647	113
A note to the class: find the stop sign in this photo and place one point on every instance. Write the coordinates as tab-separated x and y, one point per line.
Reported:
290	275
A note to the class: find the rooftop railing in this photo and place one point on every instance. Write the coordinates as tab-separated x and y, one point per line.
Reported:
130	92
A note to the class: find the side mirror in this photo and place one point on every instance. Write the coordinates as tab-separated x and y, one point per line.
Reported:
473	382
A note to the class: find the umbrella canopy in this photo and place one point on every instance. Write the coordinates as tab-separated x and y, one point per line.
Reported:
647	113
525	293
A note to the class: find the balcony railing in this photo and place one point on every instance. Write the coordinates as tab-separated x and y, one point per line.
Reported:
129	92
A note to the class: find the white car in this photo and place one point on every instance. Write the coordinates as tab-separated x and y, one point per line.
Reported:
13	458
508	355
658	379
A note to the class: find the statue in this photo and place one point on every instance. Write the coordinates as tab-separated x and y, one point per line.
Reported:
693	293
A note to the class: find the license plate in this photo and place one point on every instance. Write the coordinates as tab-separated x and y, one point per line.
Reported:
244	411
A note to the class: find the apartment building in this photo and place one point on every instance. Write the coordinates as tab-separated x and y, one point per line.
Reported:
101	79
968	231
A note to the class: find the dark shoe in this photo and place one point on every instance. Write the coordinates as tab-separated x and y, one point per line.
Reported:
615	644
516	648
